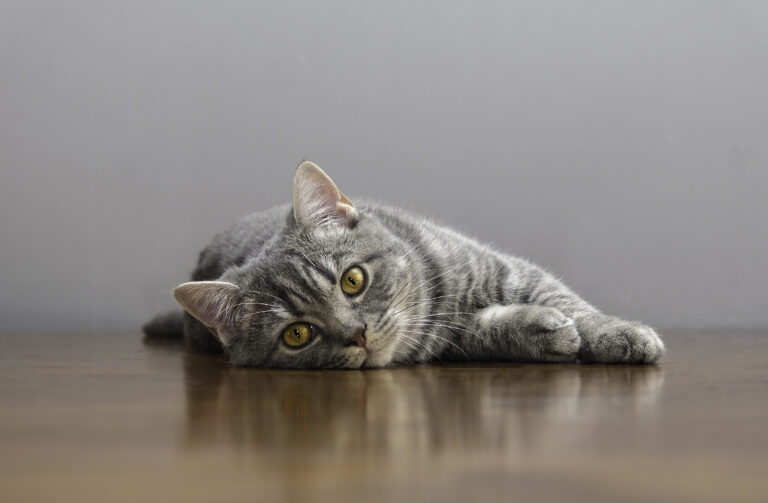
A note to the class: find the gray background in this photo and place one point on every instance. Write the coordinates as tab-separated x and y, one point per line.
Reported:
620	144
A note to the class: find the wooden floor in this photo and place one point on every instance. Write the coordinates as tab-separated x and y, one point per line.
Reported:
106	417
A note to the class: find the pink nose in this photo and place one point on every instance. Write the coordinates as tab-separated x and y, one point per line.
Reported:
360	340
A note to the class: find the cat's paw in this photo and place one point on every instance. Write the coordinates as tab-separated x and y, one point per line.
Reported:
608	339
552	336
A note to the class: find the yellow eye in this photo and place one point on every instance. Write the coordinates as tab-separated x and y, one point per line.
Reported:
297	335
353	281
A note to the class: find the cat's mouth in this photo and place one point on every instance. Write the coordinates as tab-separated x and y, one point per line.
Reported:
377	354
364	344
376	349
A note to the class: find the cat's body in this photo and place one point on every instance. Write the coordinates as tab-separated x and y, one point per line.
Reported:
325	283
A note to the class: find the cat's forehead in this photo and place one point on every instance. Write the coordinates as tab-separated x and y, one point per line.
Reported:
326	244
330	238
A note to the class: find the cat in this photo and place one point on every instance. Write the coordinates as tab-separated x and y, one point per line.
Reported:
326	283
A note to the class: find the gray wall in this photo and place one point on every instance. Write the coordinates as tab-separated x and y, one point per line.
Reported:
621	144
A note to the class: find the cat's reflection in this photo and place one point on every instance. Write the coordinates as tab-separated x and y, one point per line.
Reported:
416	409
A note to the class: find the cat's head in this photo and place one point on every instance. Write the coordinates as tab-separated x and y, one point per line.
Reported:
325	292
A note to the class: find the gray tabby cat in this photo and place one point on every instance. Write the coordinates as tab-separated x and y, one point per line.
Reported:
327	284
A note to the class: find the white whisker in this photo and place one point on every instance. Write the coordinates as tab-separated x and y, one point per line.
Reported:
450	327
435	336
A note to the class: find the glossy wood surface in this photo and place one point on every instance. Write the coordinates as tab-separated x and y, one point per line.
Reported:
107	417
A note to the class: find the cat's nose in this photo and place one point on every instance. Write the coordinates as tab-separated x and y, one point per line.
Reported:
355	334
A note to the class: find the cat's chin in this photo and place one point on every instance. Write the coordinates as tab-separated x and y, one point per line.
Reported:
377	359
373	362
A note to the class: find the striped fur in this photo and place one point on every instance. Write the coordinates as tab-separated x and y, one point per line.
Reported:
431	293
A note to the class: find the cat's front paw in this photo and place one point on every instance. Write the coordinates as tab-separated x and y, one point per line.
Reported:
607	339
553	337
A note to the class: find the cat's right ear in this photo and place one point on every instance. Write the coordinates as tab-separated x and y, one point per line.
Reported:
318	201
213	303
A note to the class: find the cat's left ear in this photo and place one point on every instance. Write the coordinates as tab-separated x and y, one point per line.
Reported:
213	303
318	201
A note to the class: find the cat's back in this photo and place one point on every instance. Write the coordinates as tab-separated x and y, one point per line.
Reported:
417	228
243	239
405	223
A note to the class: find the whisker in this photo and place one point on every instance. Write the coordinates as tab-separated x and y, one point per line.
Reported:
384	311
449	313
424	301
412	249
450	327
431	321
405	298
420	345
428	290
424	321
463	264
435	336
409	344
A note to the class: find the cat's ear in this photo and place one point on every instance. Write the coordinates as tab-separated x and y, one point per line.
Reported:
213	303
317	200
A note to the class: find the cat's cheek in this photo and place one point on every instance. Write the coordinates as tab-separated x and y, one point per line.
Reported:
379	359
381	353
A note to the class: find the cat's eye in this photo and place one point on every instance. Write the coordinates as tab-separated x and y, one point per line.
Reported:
297	334
353	280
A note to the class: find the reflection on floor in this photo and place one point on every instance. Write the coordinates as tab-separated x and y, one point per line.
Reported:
90	416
